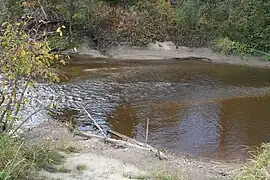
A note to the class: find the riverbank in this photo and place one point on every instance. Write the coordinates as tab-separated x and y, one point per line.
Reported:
164	51
94	159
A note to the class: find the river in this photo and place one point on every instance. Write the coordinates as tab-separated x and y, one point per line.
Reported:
194	107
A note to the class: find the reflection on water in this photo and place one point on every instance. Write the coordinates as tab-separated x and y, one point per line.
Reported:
194	107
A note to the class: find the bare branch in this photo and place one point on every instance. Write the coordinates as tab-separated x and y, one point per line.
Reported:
26	119
95	123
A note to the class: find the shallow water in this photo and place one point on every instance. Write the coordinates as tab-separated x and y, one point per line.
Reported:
198	108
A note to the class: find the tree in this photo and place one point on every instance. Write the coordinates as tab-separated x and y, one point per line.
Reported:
22	60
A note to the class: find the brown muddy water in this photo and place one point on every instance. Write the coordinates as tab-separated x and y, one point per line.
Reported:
197	108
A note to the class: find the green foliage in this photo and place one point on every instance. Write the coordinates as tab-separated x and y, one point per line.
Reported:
22	60
139	24
10	9
188	14
259	169
22	161
248	23
190	23
228	46
243	22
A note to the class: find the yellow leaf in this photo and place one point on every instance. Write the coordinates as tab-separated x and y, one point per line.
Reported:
5	23
62	62
63	26
58	30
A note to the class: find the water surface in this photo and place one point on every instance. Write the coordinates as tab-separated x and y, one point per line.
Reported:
198	108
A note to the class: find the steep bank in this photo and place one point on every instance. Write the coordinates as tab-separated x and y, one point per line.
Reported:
104	161
165	51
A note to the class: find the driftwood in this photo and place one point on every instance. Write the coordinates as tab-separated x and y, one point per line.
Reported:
122	143
147	146
125	138
147	130
127	141
95	123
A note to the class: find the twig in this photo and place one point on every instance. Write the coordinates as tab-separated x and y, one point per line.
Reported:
2	98
45	15
95	123
159	156
26	119
146	134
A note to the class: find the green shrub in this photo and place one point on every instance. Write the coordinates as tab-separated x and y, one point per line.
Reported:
227	46
248	23
144	22
189	14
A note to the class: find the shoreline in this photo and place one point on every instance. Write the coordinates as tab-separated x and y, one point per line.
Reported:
162	52
110	161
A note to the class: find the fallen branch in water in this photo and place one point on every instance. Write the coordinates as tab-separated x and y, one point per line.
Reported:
123	143
95	123
127	141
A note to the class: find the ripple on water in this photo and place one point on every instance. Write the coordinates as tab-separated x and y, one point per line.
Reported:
206	110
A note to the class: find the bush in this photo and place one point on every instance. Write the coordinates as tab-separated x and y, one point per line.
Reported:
248	23
227	46
22	60
21	161
193	23
259	168
139	24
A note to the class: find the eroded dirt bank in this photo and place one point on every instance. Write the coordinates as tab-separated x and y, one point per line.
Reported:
103	161
167	50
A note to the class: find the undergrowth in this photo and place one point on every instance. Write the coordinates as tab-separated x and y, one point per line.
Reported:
18	160
259	169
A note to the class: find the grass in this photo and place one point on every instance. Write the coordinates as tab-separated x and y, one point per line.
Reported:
68	147
259	169
165	176
19	160
155	176
81	167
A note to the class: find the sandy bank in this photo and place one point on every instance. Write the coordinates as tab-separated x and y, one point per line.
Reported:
103	161
166	51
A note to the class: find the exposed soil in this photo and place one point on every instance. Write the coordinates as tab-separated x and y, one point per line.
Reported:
167	50
103	161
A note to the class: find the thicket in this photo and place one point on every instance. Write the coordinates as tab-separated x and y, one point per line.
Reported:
231	26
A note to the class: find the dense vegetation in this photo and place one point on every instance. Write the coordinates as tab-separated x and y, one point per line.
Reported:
231	26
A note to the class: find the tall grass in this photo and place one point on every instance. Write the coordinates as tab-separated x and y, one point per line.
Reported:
259	169
21	161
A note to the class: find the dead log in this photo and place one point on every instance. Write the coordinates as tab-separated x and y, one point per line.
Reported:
151	148
122	143
125	138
